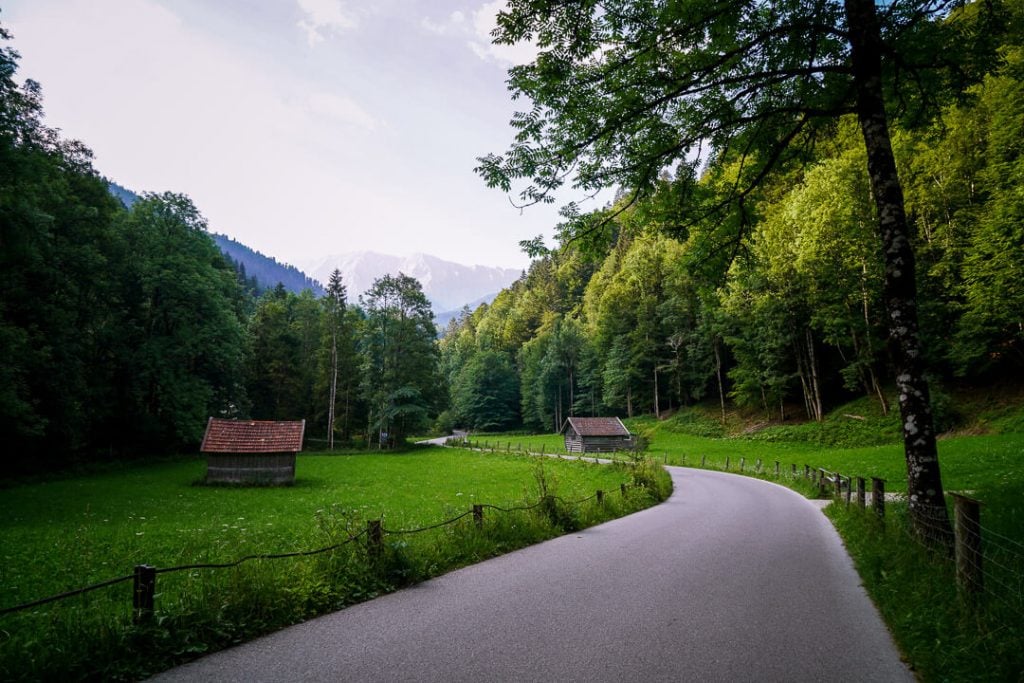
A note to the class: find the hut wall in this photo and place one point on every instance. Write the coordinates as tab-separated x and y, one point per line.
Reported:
260	468
605	444
573	443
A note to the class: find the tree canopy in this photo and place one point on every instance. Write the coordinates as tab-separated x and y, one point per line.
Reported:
622	91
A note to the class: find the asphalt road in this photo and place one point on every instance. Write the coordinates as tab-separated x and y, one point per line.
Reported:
731	579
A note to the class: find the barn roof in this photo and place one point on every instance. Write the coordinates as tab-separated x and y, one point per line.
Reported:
253	436
596	426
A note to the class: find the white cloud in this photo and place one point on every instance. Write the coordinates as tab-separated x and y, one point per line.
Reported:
455	23
342	110
324	16
485	19
477	35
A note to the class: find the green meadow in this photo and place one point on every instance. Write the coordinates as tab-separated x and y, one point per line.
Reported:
72	532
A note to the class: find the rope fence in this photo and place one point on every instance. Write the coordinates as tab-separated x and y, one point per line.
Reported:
144	575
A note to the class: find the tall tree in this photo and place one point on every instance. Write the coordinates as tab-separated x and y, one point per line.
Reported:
621	90
400	362
340	369
185	338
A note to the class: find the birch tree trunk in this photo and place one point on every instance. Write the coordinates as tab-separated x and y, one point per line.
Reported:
924	482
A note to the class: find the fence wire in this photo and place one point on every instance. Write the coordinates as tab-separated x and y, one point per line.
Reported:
277	556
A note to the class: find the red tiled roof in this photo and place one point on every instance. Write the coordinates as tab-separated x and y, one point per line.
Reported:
253	436
597	426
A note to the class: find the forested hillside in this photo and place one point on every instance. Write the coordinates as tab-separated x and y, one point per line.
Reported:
260	272
776	305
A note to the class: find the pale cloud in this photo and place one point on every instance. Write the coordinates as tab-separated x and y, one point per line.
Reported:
485	20
342	110
324	16
455	23
277	145
476	31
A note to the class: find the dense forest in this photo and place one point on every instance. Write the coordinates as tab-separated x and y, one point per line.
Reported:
772	301
124	328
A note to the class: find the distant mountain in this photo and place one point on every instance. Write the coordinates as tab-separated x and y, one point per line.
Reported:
266	269
441	319
126	196
250	263
448	285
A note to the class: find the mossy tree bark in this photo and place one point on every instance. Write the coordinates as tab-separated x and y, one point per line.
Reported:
924	482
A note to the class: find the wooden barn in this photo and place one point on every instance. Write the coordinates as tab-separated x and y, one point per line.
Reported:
260	452
596	435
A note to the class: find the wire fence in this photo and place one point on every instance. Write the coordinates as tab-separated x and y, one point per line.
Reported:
989	565
144	575
622	456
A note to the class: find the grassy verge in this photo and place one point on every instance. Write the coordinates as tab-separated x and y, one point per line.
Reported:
70	533
942	634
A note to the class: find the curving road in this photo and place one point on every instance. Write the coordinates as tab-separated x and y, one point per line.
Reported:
731	579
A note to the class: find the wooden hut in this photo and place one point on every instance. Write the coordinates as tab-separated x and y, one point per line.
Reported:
596	435
251	451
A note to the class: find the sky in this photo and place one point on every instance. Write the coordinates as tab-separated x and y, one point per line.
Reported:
301	128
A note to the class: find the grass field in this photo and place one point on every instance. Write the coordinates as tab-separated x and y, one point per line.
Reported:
73	532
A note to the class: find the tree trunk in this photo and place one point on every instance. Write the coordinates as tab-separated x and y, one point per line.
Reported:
334	387
572	393
924	481
657	413
873	378
801	372
718	372
812	361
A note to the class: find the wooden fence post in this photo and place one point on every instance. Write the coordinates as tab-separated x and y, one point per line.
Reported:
792	467
600	497
776	469
807	471
878	496
757	466
849	490
622	487
374	537
743	462
839	485
727	463
478	516
822	481
967	528
702	459
861	493
144	586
